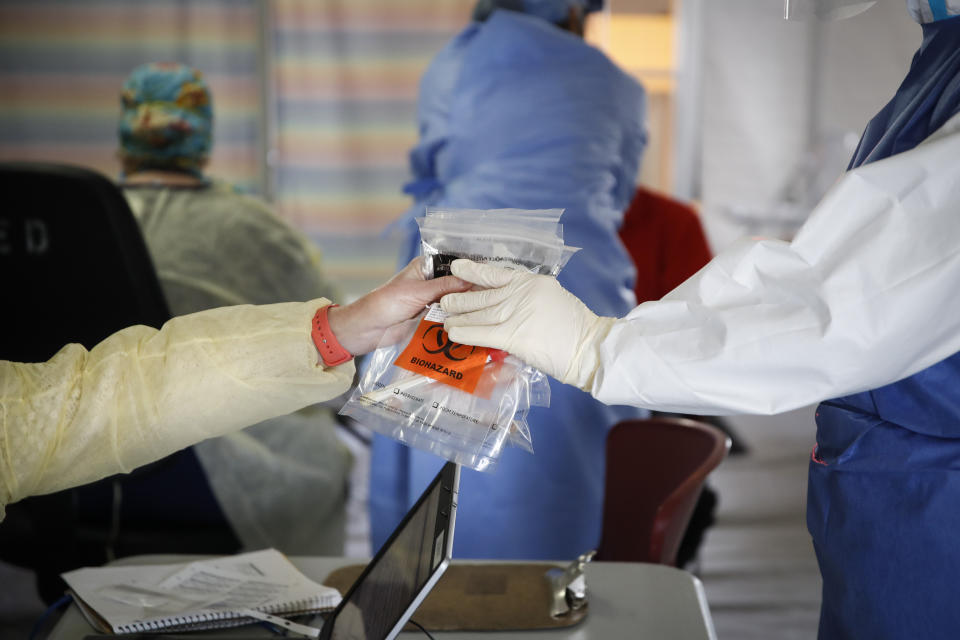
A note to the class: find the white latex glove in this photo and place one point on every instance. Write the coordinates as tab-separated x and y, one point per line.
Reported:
530	316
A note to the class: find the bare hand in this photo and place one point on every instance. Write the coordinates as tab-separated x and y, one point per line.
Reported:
378	316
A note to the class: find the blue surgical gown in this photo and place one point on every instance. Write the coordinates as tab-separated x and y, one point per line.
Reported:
517	113
884	483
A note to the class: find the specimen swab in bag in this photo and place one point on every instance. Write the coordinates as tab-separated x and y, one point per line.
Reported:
461	402
530	240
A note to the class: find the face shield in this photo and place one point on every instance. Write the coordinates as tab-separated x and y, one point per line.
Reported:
826	10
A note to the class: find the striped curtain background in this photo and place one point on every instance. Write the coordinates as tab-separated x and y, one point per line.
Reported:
344	76
314	100
62	64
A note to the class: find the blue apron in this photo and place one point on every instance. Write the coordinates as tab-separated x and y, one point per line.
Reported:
517	113
884	483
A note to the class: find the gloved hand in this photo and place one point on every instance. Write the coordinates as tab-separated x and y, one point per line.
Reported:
531	316
380	315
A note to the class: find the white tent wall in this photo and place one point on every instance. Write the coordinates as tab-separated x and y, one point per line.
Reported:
771	88
864	60
754	99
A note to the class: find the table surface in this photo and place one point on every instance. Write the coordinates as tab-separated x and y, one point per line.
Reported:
627	600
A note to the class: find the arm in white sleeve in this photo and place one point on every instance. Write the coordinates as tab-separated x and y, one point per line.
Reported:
142	394
865	295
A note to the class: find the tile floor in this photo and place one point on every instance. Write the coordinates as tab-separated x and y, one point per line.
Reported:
757	564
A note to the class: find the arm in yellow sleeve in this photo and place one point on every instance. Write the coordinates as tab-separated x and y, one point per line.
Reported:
143	394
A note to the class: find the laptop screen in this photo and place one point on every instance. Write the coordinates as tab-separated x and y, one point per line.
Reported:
404	570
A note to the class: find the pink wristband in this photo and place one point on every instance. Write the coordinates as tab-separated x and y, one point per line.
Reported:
331	352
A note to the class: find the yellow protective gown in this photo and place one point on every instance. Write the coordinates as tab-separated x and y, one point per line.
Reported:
143	394
282	483
213	247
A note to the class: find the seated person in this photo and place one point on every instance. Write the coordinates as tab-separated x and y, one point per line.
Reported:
213	247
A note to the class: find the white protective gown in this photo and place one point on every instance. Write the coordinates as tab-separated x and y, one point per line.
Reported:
866	294
143	394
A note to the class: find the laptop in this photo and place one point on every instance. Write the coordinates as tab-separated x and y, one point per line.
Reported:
405	569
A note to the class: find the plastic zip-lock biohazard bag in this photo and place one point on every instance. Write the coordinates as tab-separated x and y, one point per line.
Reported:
461	402
456	401
531	240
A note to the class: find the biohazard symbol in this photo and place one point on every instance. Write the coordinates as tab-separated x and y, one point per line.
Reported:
432	353
450	349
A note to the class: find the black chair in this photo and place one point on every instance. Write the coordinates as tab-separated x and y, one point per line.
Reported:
76	269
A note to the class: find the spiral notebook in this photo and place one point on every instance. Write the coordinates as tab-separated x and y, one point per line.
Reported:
208	594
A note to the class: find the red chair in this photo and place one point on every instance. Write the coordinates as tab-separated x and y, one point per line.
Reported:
655	472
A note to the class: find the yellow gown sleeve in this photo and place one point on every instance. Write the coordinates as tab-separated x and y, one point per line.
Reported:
143	393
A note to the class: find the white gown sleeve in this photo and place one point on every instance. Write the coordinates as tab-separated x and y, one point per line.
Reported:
142	394
867	293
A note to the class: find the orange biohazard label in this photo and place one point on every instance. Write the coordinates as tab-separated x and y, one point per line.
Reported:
431	353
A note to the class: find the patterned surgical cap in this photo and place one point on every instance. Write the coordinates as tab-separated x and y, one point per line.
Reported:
167	118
